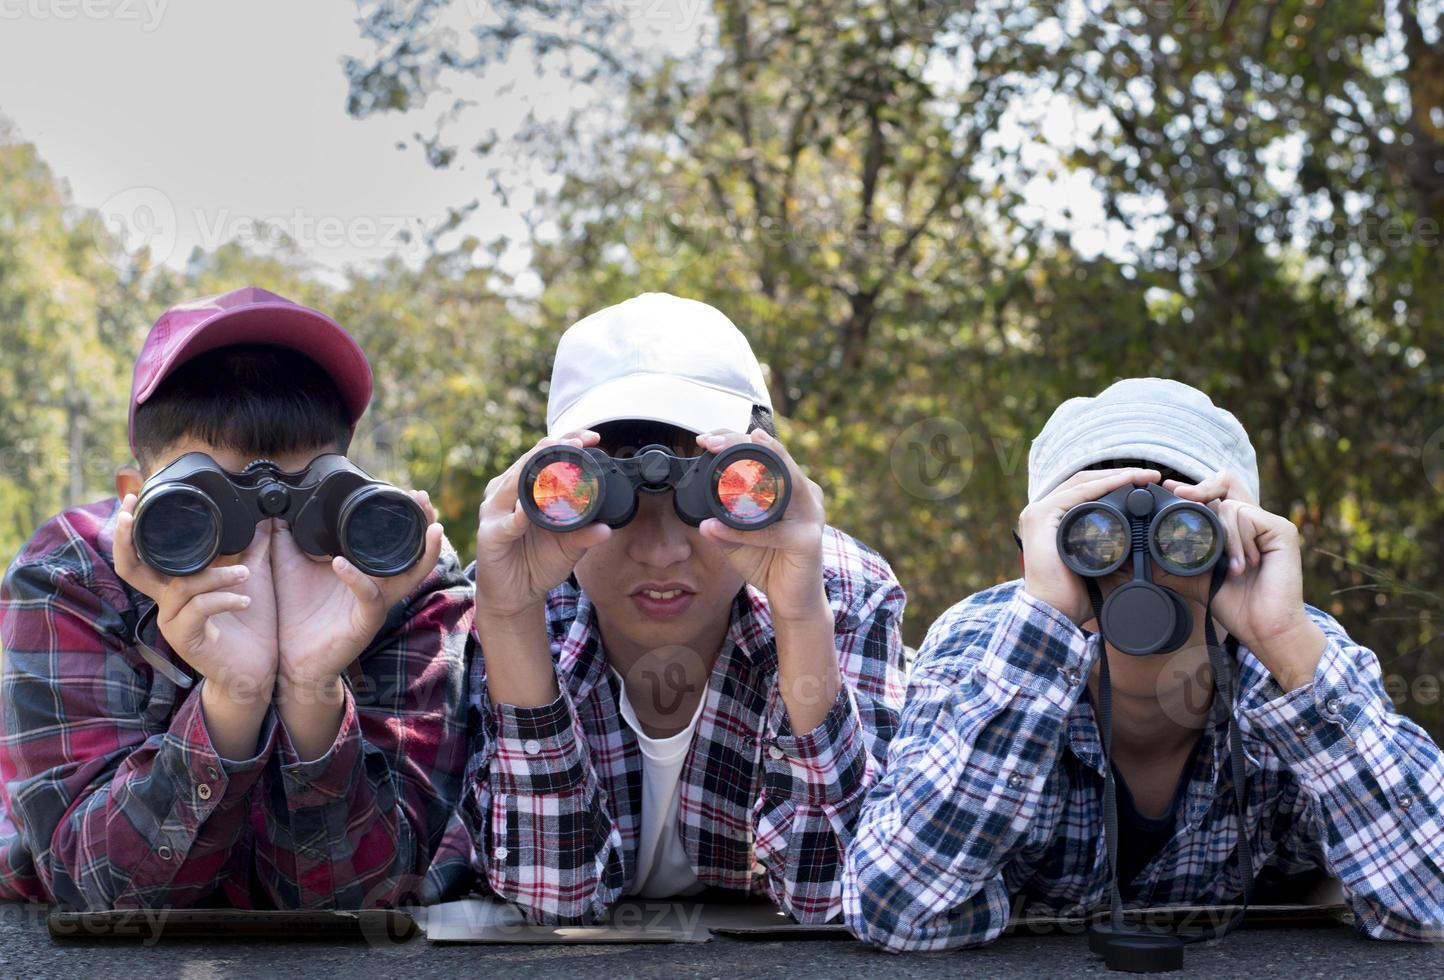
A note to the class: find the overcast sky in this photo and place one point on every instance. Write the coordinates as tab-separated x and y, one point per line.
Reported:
187	121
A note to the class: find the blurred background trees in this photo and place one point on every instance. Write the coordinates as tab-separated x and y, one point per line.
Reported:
935	219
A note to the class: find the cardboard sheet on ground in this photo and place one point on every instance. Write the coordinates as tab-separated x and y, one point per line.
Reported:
489	920
153	925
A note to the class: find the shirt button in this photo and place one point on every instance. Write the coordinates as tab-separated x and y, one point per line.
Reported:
1302	729
211	773
775	751
1406	801
1331	706
1016	781
164	853
204	791
501	853
1072	676
532	746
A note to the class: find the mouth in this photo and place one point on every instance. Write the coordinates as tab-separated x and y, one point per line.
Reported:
665	600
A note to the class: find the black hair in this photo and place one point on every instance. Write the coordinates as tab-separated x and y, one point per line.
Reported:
625	437
251	398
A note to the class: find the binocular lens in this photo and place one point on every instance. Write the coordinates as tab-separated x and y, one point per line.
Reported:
1096	539
177	533
564	492
383	531
1185	538
748	490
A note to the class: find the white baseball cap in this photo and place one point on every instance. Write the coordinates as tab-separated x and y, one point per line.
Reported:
1154	419
659	358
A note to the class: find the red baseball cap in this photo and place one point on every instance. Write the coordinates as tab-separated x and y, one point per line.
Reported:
250	315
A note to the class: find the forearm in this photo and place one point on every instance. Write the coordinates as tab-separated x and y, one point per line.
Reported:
807	669
312	712
1375	785
234	715
518	658
1292	656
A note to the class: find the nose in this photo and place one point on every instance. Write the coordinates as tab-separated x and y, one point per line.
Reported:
657	536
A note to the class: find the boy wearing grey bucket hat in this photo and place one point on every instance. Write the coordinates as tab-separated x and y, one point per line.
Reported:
994	798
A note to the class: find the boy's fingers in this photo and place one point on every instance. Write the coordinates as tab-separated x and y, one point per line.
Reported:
423	500
1233	539
719	439
183	588
575	544
1066	497
193	617
362	586
128	564
259	550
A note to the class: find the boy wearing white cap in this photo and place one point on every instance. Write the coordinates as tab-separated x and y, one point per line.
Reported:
999	785
663	708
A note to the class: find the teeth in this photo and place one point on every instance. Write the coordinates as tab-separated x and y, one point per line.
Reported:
654	594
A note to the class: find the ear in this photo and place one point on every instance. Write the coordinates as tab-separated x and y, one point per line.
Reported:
127	480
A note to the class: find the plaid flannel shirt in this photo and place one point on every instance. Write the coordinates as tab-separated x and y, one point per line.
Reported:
993	794
554	793
112	796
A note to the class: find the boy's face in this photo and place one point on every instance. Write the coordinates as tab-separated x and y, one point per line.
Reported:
657	582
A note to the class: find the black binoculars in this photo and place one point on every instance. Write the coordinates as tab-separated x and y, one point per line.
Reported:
563	488
1153	527
193	510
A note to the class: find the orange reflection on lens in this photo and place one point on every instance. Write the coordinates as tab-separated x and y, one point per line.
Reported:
563	492
748	489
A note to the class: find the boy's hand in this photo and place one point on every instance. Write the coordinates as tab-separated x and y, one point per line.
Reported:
329	611
518	563
222	622
1044	574
1261	602
782	560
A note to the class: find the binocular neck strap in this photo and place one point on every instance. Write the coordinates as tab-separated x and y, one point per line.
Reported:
1223	661
153	657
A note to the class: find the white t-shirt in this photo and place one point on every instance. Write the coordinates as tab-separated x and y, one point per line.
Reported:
663	869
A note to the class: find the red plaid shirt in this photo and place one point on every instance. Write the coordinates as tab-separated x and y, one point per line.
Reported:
555	792
111	795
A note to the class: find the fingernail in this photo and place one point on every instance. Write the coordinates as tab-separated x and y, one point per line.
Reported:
245	601
712	440
239	571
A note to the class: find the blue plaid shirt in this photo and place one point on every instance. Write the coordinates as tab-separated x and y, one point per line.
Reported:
993	791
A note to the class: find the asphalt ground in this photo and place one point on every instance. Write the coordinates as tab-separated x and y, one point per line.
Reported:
28	950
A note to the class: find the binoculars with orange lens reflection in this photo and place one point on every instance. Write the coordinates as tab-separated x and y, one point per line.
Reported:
564	488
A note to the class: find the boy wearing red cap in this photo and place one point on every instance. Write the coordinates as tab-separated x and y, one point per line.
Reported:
276	730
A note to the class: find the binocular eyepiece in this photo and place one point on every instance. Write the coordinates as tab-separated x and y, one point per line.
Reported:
564	488
1152	527
193	510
